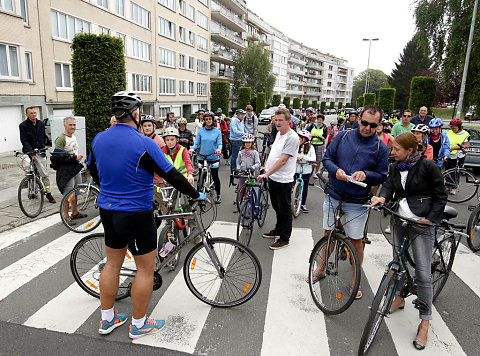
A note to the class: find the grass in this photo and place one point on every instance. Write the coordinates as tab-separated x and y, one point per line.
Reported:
444	113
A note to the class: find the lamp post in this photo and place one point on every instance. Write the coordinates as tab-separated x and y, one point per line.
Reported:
368	62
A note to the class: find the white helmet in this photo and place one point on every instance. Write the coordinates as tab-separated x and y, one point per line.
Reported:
421	128
282	106
171	131
248	138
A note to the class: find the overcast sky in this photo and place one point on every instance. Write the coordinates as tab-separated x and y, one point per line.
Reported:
338	27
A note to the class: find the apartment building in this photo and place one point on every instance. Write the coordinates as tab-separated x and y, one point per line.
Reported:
166	44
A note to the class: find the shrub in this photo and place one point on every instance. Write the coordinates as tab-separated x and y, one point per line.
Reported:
315	104
305	103
339	105
348	105
332	105
261	98
286	101
422	93
276	100
360	101
296	103
369	99
253	102
386	99
323	105
244	97
220	90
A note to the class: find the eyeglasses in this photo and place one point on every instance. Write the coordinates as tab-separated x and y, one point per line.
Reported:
371	124
407	115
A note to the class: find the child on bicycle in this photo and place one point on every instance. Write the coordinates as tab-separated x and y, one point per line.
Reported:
248	157
306	153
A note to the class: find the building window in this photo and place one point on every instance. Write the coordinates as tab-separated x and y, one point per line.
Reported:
139	15
66	27
182	34
140	49
103	3
191	12
201	89
181	87
166	28
166	57
186	36
191	38
168	3
202	66
329	84
6	5
63	75
190	87
202	20
103	30
204	2
28	66
191	65
9	61
329	75
181	61
202	43
24	11
142	83
167	86
330	67
120	7
124	40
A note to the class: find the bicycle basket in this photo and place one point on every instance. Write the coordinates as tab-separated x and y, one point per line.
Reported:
23	161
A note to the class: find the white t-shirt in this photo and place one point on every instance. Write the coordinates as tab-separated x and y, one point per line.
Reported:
403	208
284	144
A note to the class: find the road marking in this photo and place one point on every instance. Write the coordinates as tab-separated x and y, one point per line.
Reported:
403	324
291	311
464	265
27	231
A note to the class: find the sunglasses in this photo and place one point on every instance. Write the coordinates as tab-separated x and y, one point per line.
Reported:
371	124
407	115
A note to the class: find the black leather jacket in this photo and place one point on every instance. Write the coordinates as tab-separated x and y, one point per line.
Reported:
424	189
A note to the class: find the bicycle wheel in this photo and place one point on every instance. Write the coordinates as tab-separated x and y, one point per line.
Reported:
86	196
201	182
336	291
473	230
170	234
240	272
195	165
30	196
296	199
263	206
324	173
87	261
245	222
241	194
442	261
380	307
460	184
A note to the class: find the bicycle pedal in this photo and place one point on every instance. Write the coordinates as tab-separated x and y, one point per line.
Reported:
420	305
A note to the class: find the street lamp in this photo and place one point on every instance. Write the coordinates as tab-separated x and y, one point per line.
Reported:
368	63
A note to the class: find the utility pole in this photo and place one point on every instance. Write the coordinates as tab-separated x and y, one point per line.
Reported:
467	60
368	62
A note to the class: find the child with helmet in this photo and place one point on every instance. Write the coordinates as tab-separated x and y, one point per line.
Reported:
439	141
248	157
421	132
185	135
306	153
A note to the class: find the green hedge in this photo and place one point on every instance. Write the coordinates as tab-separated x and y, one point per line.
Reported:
220	90
422	93
98	72
386	99
286	101
261	99
276	100
332	105
323	105
360	101
348	105
315	104
369	99
305	103
296	103
244	97
339	105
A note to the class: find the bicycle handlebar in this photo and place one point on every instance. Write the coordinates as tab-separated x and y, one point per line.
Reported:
33	153
411	221
342	197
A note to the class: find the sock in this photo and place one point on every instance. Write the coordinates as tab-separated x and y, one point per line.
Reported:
108	314
139	322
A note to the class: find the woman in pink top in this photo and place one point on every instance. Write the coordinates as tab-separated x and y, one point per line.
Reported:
382	135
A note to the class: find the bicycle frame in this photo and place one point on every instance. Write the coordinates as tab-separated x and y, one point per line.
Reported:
255	209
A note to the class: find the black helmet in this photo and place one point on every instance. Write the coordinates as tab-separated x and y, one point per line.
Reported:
125	100
148	118
209	114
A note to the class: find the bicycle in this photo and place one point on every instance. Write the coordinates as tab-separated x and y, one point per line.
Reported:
241	190
444	250
219	271
473	228
86	196
31	190
336	290
297	190
254	207
265	152
205	182
194	160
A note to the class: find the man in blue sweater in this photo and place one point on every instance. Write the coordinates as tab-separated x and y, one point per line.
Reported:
237	130
355	155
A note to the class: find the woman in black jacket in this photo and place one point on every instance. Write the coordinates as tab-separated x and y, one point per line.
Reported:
417	184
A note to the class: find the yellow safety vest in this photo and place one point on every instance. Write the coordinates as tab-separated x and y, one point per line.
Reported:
179	163
317	132
342	114
456	139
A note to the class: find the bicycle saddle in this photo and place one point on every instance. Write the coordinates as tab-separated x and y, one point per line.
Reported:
449	212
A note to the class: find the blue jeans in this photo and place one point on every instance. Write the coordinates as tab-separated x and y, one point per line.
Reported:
236	145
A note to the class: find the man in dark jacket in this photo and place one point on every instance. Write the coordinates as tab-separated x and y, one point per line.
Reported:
32	136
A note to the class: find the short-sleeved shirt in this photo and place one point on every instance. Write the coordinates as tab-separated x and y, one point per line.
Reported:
67	143
398	128
284	144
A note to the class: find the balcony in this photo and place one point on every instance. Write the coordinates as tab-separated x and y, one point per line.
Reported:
312	74
239	6
295	71
261	38
229	38
296	60
313	93
313	65
222	55
221	74
294	92
298	49
295	82
227	17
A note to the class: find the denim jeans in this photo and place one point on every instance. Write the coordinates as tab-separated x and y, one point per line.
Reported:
236	145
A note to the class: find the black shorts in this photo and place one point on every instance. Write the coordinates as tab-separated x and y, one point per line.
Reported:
137	230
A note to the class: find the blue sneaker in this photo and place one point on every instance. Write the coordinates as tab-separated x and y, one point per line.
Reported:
106	327
151	326
303	209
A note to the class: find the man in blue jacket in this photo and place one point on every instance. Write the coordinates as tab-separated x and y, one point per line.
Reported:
237	130
354	156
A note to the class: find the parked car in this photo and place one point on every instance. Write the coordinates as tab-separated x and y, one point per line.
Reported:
472	160
48	132
348	111
266	115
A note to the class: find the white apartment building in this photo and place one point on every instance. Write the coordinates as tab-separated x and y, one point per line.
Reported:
166	43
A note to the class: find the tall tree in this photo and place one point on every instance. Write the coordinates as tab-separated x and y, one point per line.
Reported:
253	69
412	62
376	79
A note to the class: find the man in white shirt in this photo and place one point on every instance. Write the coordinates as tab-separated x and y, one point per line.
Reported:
280	169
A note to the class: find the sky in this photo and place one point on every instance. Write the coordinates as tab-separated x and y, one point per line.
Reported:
337	27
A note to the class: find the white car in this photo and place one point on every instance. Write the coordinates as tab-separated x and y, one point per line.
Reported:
266	115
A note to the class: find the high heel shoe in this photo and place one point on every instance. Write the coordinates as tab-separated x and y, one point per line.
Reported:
419	345
400	306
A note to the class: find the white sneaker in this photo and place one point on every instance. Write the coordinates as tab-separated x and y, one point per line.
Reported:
387	230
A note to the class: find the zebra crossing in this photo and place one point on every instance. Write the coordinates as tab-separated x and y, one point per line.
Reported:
38	291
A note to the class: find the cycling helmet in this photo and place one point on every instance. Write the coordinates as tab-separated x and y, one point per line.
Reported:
171	131
240	111
282	106
170	113
218	113
384	122
309	109
421	128
201	109
148	118
306	134
124	100
182	121
435	123
456	122
219	110
248	138
209	114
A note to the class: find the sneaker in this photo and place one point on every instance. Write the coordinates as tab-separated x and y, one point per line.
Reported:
106	327
387	230
277	245
151	326
452	191
50	198
79	216
71	222
218	200
271	235
303	209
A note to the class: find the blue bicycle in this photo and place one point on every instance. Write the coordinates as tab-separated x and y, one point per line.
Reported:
297	191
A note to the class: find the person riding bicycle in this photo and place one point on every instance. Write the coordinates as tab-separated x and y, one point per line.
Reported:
248	157
209	141
349	124
306	153
417	185
185	135
382	135
177	154
459	138
237	130
199	120
169	121
332	132
148	125
319	134
439	141
222	126
421	133
122	162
